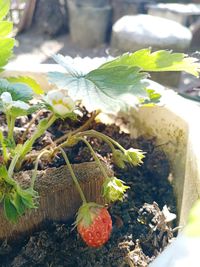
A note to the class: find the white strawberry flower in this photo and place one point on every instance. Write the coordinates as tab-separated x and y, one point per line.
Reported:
8	102
60	102
6	98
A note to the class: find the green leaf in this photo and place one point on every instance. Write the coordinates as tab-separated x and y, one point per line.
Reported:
35	108
5	176
5	28
18	91
37	89
16	200
153	95
6	43
72	116
6	50
9	210
28	197
102	89
1	196
4	8
3	171
118	80
10	145
65	63
9	180
17	112
157	61
152	98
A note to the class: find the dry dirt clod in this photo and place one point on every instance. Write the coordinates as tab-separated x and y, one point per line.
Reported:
160	231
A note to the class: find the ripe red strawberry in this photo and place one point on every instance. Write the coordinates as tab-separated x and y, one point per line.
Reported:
94	224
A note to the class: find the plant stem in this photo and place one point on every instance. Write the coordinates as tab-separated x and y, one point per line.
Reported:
11	129
4	149
29	126
13	164
8	120
80	129
117	144
36	167
65	136
40	132
94	156
73	176
29	143
106	138
94	133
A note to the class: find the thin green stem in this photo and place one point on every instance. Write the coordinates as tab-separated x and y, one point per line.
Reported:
36	167
65	136
73	175
94	156
104	137
8	120
117	144
4	148
29	143
80	129
13	164
29	126
39	132
11	129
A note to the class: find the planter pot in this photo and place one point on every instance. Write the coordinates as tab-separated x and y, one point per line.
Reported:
89	24
129	7
185	14
92	3
169	79
59	200
195	28
176	131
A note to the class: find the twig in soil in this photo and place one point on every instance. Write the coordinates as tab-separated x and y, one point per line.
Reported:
130	263
136	257
175	229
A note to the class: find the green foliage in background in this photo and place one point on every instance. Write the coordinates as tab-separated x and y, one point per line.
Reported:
6	41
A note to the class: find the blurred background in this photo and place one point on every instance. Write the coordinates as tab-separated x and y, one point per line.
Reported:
98	28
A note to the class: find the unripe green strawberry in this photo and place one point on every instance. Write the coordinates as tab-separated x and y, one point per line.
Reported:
119	158
114	189
134	156
94	224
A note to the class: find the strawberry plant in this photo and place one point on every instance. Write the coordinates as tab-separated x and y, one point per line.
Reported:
103	89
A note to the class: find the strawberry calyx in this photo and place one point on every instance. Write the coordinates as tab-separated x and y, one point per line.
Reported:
114	189
87	213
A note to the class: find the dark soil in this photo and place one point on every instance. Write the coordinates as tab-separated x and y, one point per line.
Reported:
140	231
